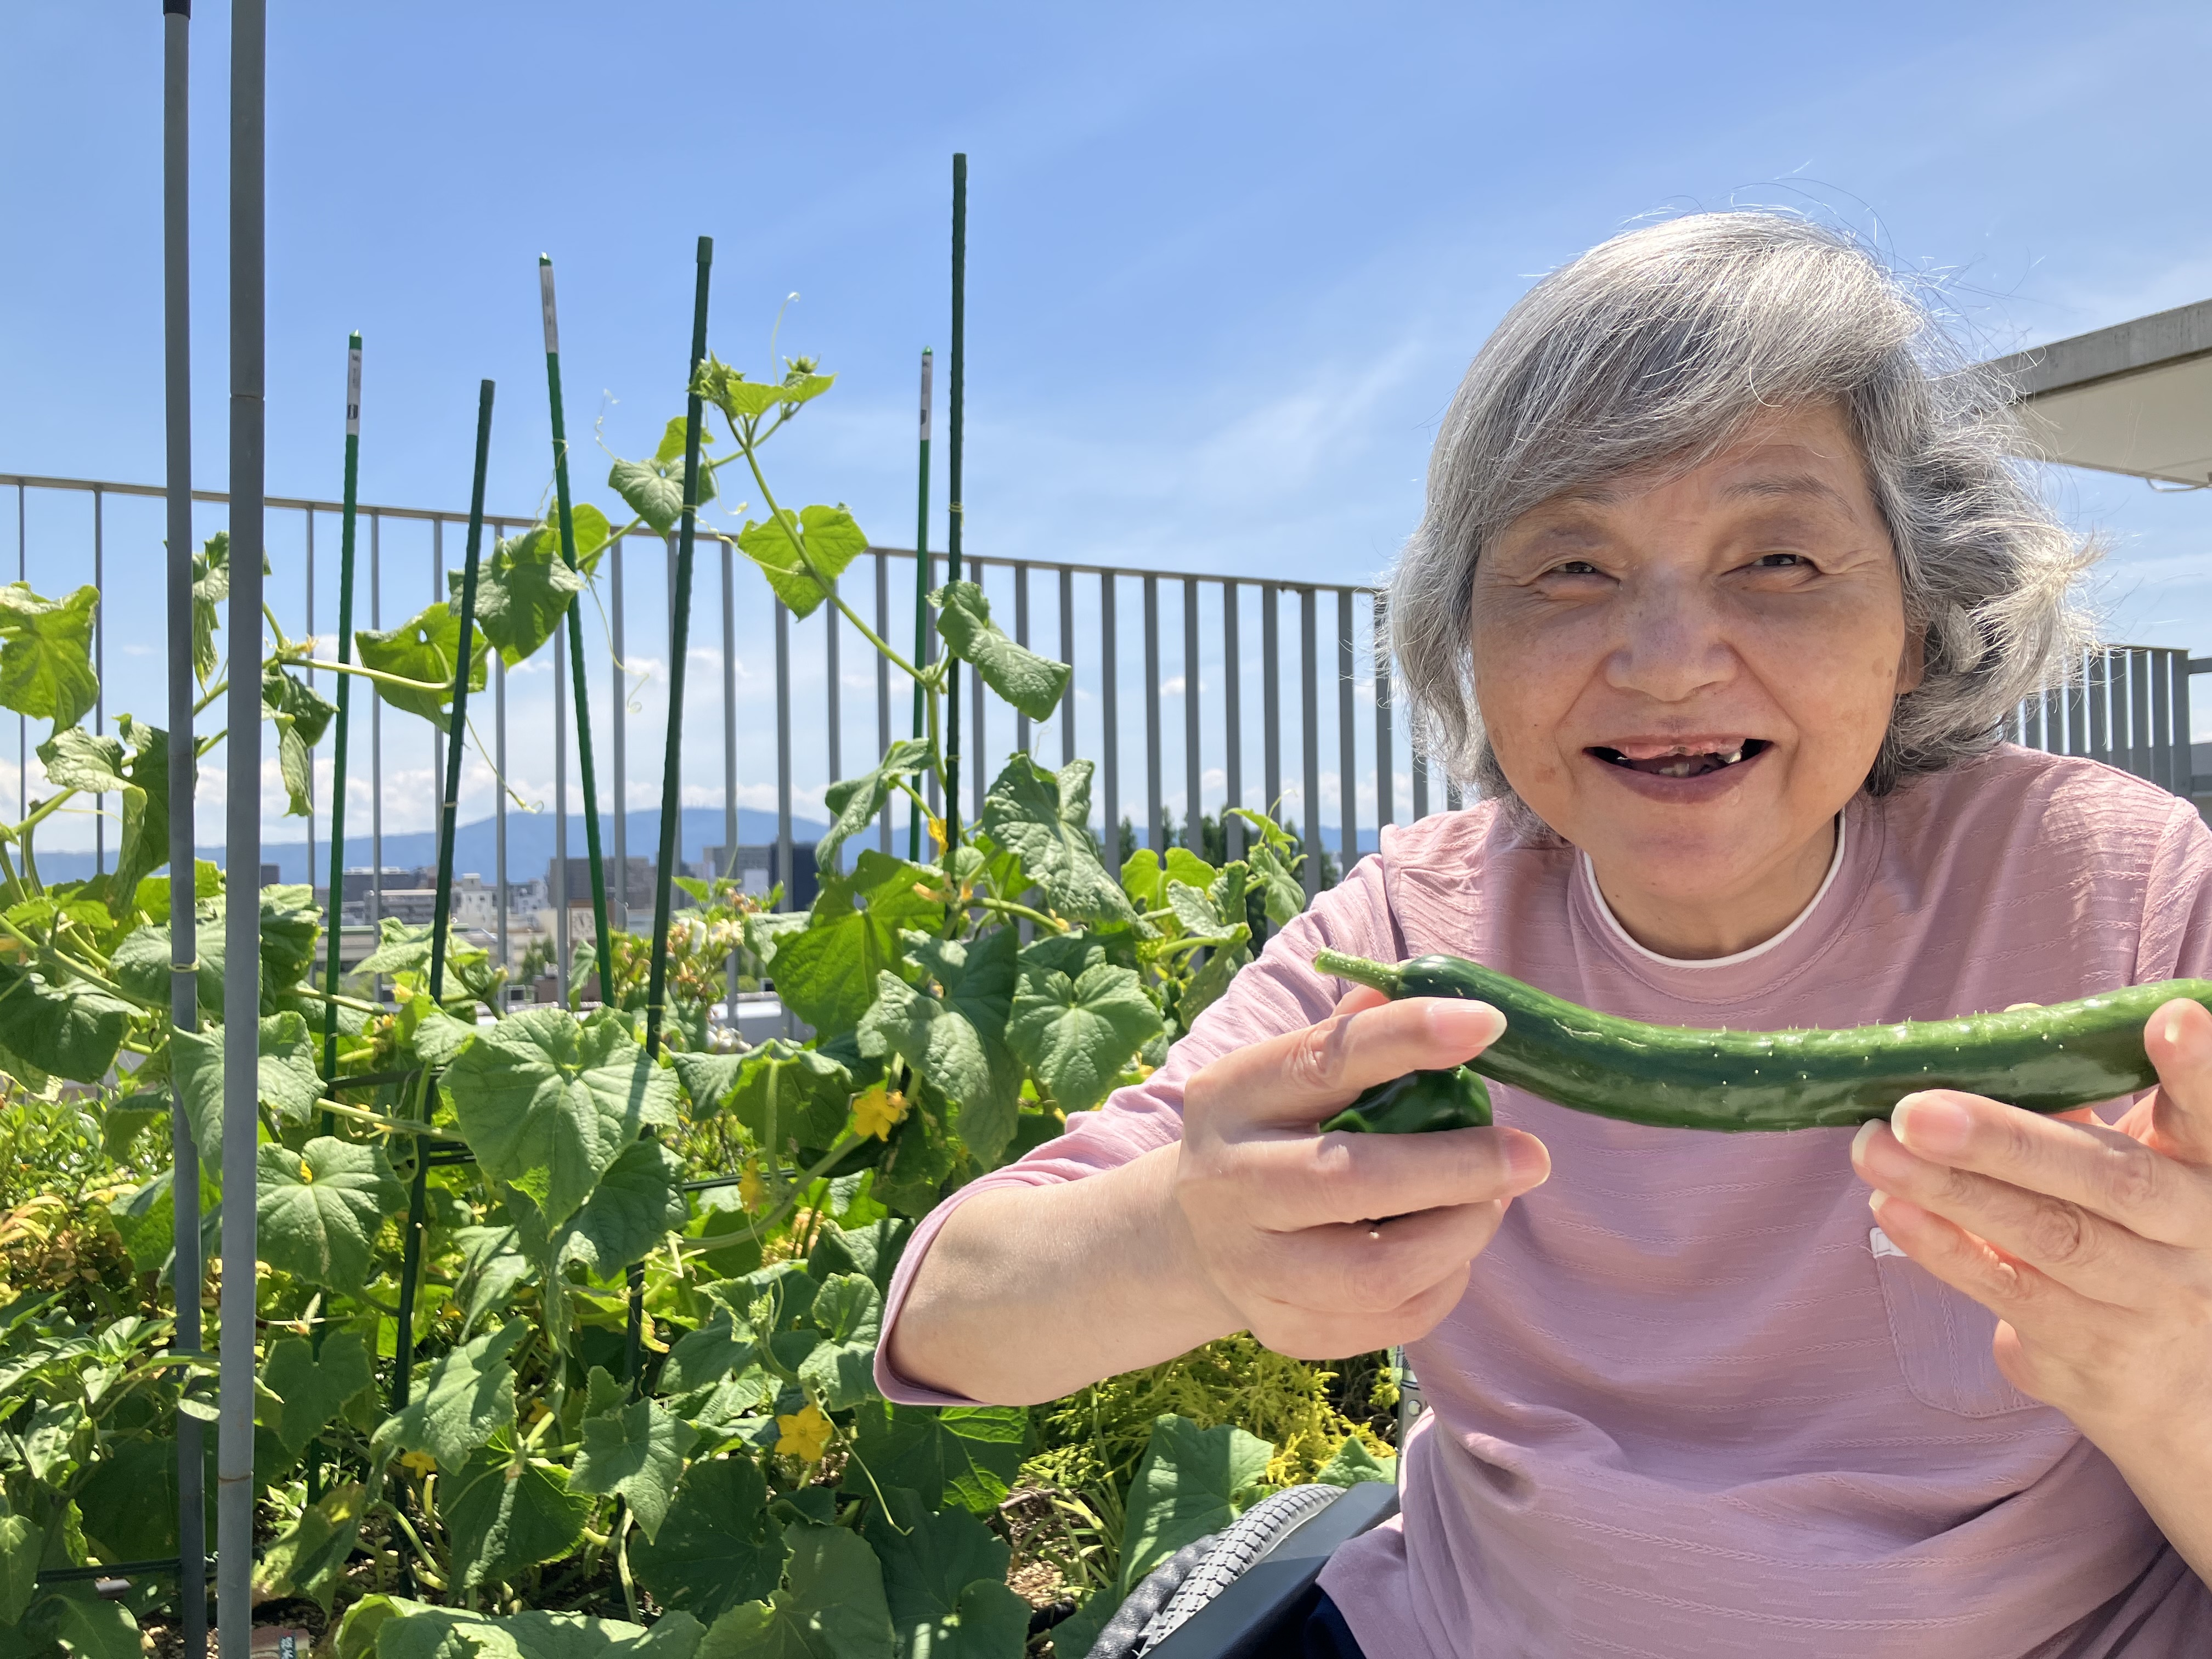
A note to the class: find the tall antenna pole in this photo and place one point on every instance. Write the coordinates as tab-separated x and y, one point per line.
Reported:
920	595
186	1271
241	990
952	507
602	935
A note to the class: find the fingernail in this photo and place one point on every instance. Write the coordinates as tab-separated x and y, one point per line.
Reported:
1470	1022
2172	1030
1876	1199
1525	1160
1865	1134
1931	1123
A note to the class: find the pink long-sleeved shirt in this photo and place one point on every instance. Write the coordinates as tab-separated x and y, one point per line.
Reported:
1692	1403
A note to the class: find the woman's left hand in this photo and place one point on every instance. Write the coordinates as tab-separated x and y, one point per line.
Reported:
2092	1245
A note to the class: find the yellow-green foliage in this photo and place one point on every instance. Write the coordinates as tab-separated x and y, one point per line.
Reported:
1103	1430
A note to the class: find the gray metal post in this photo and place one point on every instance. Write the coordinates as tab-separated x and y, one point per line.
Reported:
1155	831
187	1274
1309	736
1193	751
1386	777
242	827
1110	701
1420	777
978	744
2183	730
375	736
1271	697
783	754
438	593
2140	717
1067	656
1233	722
618	877
311	765
99	686
1347	739
1021	639
883	681
836	709
730	730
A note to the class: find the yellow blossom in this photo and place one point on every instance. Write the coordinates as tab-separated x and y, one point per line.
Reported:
876	1112
750	1188
937	832
421	1461
803	1435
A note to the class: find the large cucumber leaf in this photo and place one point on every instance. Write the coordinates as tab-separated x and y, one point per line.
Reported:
46	654
1192	1482
719	1546
1032	684
832	542
289	1085
547	1103
426	647
69	1028
833	1606
468	1397
1079	1035
525	588
505	1511
319	1209
956	1035
636	1450
1044	816
854	803
967	1455
827	974
945	1578
303	1390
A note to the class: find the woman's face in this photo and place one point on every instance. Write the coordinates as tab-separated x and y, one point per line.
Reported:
1688	676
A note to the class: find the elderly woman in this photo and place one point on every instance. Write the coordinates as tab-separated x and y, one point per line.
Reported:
1722	592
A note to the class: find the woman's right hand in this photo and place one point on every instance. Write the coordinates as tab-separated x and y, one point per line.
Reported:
1327	1245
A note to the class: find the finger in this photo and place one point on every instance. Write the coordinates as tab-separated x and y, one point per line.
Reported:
2076	1247
2179	1041
1300	1077
2034	1304
1358	996
1304	1334
1371	1266
2100	1170
1313	1181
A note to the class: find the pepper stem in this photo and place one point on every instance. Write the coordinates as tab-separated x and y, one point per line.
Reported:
1360	971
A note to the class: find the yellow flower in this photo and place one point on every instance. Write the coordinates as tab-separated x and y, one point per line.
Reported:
937	832
421	1461
750	1188
803	1435
876	1112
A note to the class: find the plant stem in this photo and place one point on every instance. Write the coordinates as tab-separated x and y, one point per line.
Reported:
1007	906
397	682
404	1125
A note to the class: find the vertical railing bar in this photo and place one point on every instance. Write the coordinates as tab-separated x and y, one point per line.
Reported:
1021	639
2077	706
1347	737
2185	734
22	721
783	871
2054	721
1193	749
1310	735
1109	700
2101	746
1067	656
618	655
2161	722
1233	722
1155	831
100	692
437	583
330	920
834	700
978	741
1386	756
883	681
928	584
1270	698
2140	713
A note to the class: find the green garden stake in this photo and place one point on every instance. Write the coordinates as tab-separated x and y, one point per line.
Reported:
602	940
920	597
344	701
671	773
457	724
952	508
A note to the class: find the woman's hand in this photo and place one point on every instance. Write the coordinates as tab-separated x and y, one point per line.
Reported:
2093	1245
1325	1245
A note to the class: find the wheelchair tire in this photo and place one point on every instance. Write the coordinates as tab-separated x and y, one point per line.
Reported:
1125	1631
1232	1553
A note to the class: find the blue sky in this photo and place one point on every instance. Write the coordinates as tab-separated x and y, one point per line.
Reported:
1227	261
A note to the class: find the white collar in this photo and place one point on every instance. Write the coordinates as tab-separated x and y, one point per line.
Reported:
1835	864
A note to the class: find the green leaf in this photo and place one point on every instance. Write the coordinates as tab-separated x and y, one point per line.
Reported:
425	1633
426	647
405	948
854	802
547	1103
300	715
741	399
591	532
1192	1482
1353	1463
704	1356
849	1311
1032	684
505	1511
310	1388
827	974
46	654
1044	818
636	1451
1079	1036
128	1503
708	1078
654	489
308	1556
75	759
955	1038
832	542
493	1268
784	1093
525	588
89	1627
211	588
967	1455
1194	912
290	924
319	1210
1212	978
638	1202
21	1545
468	1397
719	1546
945	1578
289	1085
145	842
71	1029
675	437
833	1608
872	1251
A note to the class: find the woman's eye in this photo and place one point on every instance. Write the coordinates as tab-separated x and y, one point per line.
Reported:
1779	561
1575	568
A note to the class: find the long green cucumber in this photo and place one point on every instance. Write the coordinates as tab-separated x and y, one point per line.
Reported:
1417	1102
2043	1058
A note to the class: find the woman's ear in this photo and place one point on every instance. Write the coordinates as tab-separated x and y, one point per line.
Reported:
1912	662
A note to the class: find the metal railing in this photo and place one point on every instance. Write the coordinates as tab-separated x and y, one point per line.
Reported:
1191	718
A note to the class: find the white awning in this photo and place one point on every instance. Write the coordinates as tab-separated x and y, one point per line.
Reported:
2135	398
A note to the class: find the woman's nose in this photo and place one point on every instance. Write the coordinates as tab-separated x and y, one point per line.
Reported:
1672	640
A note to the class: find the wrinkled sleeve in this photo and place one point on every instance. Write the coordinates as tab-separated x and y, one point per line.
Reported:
2175	940
1279	992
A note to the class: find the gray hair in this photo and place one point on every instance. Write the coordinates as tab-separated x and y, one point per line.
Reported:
1654	350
